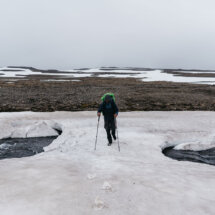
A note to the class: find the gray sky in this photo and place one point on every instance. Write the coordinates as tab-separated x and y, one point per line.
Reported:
68	34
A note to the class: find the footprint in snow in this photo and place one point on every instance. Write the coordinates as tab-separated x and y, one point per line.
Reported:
91	176
99	204
106	186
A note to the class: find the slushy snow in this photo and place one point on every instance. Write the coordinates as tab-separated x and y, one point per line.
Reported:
71	178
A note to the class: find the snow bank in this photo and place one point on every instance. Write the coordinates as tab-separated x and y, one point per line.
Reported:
21	128
197	145
72	178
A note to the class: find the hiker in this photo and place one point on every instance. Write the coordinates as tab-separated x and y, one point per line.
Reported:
110	112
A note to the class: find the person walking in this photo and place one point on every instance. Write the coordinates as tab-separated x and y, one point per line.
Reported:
110	111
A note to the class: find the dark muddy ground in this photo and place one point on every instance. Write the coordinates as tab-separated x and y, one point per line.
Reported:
23	147
132	94
206	156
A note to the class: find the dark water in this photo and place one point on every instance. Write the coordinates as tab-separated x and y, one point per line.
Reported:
23	147
206	156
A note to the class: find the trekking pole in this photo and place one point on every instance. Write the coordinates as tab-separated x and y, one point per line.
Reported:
97	132
117	135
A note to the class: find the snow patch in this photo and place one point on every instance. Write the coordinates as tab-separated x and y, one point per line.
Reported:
147	76
159	75
13	73
57	80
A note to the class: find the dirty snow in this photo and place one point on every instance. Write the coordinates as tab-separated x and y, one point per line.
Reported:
71	178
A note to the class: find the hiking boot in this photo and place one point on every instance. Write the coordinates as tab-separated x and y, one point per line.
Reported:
110	140
109	144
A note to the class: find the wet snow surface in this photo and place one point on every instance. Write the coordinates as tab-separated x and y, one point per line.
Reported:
71	178
12	74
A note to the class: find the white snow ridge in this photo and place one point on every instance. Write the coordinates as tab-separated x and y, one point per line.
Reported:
71	178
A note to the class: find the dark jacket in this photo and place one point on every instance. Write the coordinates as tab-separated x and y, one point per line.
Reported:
108	110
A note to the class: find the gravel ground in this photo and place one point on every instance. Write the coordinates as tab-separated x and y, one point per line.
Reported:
132	94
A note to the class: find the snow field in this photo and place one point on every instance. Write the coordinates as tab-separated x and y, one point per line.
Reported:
71	178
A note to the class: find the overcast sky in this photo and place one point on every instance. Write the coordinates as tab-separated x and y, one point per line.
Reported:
68	34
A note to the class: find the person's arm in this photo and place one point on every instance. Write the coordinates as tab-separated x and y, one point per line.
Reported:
116	110
100	109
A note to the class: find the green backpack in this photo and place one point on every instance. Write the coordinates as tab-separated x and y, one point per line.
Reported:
109	94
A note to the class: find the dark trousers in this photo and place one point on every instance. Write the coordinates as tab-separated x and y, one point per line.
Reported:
110	128
109	135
